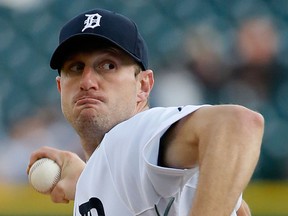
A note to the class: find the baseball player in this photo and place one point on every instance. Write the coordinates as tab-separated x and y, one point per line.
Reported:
188	160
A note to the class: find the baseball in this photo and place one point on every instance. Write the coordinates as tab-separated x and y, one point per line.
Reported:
44	175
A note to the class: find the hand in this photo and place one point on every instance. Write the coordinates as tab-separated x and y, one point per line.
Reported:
244	209
71	168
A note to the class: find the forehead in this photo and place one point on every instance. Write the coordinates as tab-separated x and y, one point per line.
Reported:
105	51
112	51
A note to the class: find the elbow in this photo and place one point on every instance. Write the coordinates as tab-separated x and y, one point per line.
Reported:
251	120
248	144
250	125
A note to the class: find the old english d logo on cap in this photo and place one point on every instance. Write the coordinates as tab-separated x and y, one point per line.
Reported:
92	21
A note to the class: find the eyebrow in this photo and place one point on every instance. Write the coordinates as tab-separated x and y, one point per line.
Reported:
114	51
107	50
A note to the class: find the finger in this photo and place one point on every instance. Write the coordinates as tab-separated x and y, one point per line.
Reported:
58	194
43	152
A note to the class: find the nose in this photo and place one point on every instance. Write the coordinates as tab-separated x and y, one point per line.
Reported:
89	79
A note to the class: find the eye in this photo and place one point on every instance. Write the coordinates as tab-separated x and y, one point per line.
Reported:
76	68
107	66
73	69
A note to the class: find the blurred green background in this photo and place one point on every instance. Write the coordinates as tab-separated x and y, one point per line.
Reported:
264	198
202	51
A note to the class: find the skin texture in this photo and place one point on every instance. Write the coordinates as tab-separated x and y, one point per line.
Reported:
96	98
102	88
224	141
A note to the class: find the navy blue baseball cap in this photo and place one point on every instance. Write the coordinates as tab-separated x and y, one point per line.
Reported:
96	26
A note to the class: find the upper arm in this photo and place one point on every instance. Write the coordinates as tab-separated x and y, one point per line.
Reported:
184	143
173	150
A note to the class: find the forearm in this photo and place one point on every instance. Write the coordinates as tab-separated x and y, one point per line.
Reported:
228	155
220	186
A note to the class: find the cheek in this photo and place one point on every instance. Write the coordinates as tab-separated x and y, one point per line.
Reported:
130	92
126	87
124	97
65	105
66	97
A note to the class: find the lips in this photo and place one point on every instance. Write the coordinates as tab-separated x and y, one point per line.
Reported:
88	99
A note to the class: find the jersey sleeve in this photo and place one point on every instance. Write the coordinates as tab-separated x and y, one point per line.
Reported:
166	181
131	154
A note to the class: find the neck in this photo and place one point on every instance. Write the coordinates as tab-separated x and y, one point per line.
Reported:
91	141
89	146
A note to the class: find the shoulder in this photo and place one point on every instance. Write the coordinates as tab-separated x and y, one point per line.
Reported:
205	123
154	117
219	114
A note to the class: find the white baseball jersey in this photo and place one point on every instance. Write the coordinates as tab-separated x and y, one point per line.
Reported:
122	176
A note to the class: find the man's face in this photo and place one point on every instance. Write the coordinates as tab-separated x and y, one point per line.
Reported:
98	90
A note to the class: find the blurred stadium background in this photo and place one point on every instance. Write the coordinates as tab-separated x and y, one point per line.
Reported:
202	51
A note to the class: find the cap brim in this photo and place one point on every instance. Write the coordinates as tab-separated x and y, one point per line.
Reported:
78	43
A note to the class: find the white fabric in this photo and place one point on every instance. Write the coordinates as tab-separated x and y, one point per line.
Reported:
122	176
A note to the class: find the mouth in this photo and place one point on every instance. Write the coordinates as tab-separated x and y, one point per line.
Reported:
88	100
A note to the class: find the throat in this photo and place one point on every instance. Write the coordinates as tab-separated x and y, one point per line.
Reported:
89	148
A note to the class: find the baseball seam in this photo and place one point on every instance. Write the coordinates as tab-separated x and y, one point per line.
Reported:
39	163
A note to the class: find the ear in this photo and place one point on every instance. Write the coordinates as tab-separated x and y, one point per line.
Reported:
58	83
146	82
